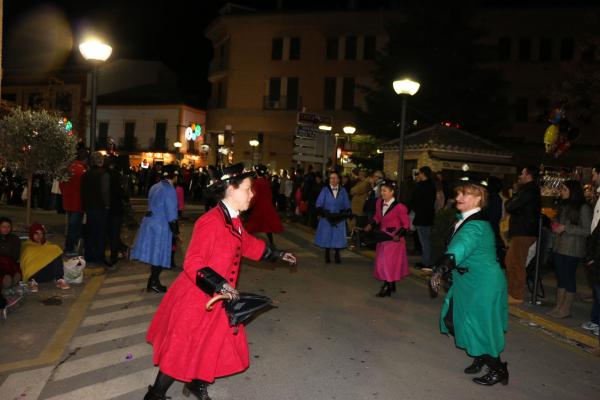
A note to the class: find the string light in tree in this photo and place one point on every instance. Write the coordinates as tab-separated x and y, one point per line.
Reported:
68	125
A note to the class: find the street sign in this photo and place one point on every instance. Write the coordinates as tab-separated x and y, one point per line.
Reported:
305	142
313	119
307	131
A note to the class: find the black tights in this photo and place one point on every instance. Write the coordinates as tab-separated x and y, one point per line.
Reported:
270	236
494	363
163	382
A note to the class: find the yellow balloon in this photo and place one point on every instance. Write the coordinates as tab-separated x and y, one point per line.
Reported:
550	136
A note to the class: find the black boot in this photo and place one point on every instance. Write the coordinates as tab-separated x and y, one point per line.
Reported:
198	388
150	395
385	291
476	366
327	256
494	375
158	391
336	256
154	284
393	286
270	237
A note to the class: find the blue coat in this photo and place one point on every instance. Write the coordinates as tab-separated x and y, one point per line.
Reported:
329	236
154	239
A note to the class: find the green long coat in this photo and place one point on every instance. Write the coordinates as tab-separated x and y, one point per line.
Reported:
480	304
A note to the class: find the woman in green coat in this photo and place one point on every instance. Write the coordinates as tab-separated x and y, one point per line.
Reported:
475	310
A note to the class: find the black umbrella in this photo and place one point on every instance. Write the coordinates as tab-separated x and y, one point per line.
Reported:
242	310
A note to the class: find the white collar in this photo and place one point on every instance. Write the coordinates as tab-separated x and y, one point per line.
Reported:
335	188
467	214
389	203
232	213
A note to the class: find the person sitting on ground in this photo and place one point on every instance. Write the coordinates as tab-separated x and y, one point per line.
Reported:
41	261
10	250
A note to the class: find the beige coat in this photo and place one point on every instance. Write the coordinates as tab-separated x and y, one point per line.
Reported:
359	192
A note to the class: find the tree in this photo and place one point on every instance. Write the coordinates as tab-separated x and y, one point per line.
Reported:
438	45
35	142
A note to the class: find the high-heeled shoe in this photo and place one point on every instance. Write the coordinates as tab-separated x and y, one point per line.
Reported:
197	388
499	375
385	291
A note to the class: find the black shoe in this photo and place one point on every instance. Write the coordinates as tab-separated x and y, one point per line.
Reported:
494	376
476	367
155	286
197	388
385	291
153	396
393	286
337	258
327	257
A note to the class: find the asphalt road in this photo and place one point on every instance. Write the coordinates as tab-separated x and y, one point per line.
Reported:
329	338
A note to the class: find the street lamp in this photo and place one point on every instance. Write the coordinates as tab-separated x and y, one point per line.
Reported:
96	52
254	144
349	129
404	87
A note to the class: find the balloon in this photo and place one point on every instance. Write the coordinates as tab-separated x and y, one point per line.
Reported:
550	137
556	115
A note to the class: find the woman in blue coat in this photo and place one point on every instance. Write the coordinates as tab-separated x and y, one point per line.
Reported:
154	239
333	206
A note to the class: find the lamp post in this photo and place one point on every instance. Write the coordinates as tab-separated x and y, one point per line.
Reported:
254	144
403	87
95	52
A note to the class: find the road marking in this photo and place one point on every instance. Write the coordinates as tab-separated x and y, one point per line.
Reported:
119	289
111	388
110	334
97	361
130	298
25	385
117	315
120	279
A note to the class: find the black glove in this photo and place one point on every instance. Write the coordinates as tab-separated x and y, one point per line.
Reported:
442	273
272	254
174	227
209	281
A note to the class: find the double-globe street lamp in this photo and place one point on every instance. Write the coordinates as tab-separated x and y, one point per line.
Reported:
96	52
254	144
403	87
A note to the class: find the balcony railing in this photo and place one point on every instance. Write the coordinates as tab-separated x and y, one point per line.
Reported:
282	103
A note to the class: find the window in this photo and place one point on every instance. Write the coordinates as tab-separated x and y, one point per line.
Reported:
102	134
294	48
277	49
370	46
524	49
350	48
274	88
160	136
504	49
521	109
329	94
292	94
348	94
333	45
545	49
567	49
129	140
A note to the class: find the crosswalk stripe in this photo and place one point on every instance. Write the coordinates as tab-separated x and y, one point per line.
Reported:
102	360
25	385
117	315
119	279
111	388
119	289
130	298
107	335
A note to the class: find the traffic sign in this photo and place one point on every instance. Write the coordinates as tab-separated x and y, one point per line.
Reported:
313	119
305	142
307	131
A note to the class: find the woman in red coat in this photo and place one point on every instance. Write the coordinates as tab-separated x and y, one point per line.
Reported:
263	217
191	344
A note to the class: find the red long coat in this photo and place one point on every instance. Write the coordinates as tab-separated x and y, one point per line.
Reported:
391	261
190	342
263	217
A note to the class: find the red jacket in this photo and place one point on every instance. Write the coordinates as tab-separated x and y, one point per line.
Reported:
71	189
190	342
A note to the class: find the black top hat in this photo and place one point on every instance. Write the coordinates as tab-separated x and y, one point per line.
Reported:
261	170
232	173
169	171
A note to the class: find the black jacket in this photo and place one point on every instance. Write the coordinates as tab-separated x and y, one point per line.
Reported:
524	209
422	203
95	189
118	196
593	254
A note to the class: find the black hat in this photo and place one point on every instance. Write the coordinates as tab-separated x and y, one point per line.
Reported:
169	171
389	183
261	170
232	172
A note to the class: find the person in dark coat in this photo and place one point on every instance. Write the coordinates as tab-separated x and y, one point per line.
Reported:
192	344
422	203
10	253
494	212
71	195
263	217
95	199
116	212
524	208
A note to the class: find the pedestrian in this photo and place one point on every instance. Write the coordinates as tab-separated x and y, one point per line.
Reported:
333	207
475	310
313	195
571	229
116	211
191	344
95	199
391	220
263	216
10	254
154	240
524	208
422	203
180	194
71	194
592	259
359	193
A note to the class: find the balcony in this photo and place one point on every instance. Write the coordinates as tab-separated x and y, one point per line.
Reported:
282	103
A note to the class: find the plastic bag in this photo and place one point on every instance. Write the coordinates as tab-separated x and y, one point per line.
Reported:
73	268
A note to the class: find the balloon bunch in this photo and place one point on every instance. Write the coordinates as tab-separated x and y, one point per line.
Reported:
560	134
